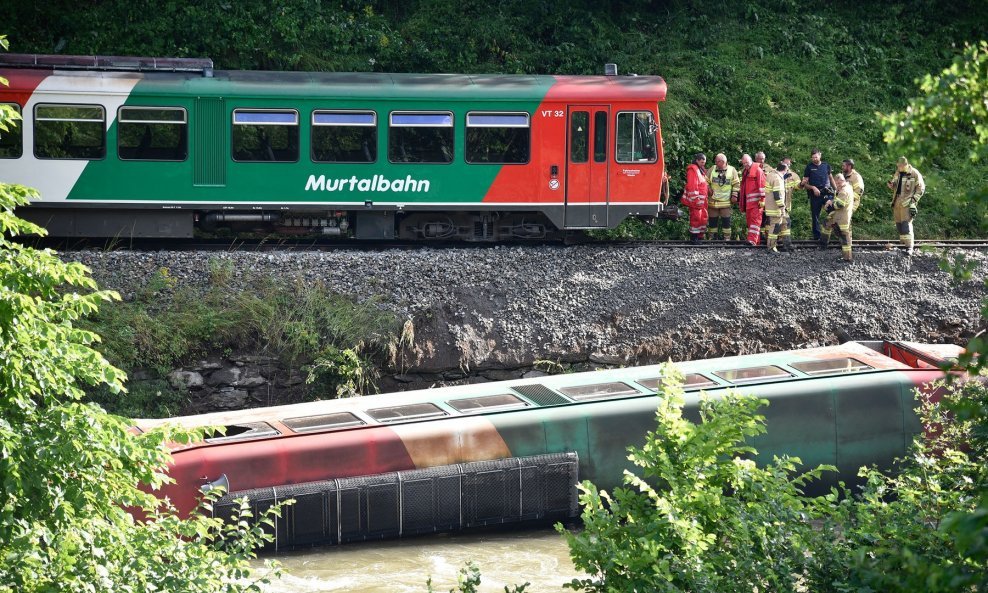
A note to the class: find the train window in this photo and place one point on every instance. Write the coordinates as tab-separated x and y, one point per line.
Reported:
599	391
600	137
501	138
487	403
690	381
265	135
753	374
409	412
344	136
635	139
152	134
579	136
322	422
833	366
241	432
420	137
69	131
12	139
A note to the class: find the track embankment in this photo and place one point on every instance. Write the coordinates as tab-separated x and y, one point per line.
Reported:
493	313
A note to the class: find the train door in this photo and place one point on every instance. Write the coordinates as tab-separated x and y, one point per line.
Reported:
586	166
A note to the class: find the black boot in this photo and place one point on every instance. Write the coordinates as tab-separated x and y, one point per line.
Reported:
694	239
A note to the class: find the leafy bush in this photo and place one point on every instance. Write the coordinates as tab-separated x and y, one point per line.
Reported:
701	515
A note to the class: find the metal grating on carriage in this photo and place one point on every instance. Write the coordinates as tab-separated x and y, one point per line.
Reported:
540	394
541	488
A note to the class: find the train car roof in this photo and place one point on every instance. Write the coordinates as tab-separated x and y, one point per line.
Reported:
864	353
362	85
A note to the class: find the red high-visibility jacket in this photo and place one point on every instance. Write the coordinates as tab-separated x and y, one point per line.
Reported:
695	195
752	187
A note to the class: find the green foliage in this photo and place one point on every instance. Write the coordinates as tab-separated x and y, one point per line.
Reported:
347	370
69	472
468	581
925	528
700	515
166	324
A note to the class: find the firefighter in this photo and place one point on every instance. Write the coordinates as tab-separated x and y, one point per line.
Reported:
695	197
855	179
752	197
907	187
792	184
760	161
724	185
775	205
839	208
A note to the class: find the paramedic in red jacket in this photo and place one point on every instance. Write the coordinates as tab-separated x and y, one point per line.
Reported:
752	198
695	197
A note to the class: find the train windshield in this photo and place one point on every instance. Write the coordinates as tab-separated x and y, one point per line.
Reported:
835	366
635	138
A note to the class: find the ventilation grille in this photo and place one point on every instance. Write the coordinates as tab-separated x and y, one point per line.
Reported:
541	394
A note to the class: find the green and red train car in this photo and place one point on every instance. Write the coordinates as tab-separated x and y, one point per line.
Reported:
458	457
145	147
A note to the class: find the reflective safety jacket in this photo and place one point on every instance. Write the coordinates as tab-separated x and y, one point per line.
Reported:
695	194
857	186
792	184
753	187
908	187
775	194
723	182
844	198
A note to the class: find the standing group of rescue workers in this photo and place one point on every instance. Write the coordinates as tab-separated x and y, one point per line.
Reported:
764	195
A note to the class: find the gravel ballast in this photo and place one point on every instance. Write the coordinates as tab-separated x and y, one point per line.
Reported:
508	307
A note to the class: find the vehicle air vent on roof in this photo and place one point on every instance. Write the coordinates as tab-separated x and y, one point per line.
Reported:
541	394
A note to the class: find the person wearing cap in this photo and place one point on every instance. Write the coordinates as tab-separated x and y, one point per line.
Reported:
816	179
753	197
695	197
840	209
907	187
724	185
854	178
775	205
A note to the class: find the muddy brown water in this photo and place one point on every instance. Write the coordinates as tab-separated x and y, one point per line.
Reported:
539	557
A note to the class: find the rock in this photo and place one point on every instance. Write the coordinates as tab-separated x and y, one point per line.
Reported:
501	375
256	359
534	375
225	399
292	378
185	379
225	376
601	358
252	381
208	365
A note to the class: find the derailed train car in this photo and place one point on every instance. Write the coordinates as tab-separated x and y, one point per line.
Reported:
151	147
503	452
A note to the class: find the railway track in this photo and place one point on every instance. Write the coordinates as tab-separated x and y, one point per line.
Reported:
331	244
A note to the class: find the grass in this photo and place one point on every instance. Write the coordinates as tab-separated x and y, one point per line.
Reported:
167	325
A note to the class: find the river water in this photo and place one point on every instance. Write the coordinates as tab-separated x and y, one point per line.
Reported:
539	557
